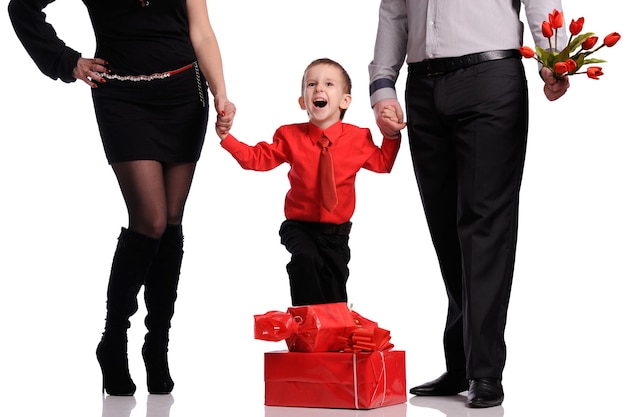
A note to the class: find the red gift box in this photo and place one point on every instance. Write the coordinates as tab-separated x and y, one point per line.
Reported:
335	379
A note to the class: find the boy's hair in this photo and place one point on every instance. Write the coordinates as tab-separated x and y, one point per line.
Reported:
327	61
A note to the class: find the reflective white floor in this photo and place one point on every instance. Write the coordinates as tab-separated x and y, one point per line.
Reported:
218	368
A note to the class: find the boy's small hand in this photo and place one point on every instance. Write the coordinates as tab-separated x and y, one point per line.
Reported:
225	120
389	118
390	113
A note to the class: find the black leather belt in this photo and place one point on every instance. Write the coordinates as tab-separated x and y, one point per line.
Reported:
439	66
342	229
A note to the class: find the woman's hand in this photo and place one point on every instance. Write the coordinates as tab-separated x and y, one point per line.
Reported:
225	116
89	70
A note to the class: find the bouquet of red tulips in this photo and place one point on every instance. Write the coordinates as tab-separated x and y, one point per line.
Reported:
570	59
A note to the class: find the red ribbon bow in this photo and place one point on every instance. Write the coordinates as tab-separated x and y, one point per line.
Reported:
322	328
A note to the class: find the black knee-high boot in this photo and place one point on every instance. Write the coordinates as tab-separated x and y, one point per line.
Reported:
160	294
131	262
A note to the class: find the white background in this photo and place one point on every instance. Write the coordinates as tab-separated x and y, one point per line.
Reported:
61	213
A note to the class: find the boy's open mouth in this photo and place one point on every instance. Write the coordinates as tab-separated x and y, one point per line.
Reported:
320	103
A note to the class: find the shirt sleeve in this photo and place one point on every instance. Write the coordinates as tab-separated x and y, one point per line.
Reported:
52	56
536	12
383	158
261	157
389	50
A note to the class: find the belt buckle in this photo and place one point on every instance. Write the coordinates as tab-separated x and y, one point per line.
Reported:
430	70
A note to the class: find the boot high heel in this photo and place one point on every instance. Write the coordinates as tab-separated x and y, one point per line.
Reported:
113	362
154	354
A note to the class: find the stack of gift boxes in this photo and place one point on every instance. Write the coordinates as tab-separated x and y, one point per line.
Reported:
335	358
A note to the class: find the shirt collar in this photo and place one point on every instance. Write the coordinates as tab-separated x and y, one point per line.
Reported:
332	132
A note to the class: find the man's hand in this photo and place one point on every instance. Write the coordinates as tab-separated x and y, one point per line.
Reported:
389	117
554	87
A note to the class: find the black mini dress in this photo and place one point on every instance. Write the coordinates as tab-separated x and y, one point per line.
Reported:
154	103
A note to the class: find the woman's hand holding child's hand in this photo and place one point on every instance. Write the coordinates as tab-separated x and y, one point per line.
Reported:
225	120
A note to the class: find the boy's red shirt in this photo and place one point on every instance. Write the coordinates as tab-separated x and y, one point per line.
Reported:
352	148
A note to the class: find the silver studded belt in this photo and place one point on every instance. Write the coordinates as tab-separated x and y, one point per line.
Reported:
151	77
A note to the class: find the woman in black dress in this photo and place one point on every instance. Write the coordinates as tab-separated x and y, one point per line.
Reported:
154	59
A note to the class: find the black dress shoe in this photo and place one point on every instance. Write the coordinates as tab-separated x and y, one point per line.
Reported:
447	384
485	392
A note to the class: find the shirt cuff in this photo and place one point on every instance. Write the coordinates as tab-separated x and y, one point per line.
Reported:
381	89
67	63
381	83
382	94
229	143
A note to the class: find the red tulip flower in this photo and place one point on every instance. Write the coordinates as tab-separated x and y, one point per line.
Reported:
590	42
594	72
576	26
546	29
527	52
611	39
560	68
556	19
571	65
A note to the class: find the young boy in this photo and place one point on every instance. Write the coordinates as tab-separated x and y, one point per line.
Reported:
316	230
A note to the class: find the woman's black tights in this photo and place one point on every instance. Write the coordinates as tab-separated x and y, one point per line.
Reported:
155	193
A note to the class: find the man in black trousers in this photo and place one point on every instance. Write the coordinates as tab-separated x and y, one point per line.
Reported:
467	119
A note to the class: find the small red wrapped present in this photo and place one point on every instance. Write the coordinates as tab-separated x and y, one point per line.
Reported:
312	328
335	379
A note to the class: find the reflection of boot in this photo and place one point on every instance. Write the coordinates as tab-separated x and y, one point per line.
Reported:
159	405
160	295
113	406
131	262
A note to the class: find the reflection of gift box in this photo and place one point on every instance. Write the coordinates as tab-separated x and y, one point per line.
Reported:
335	379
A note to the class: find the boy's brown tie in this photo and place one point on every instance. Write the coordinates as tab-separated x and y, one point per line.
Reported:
327	176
